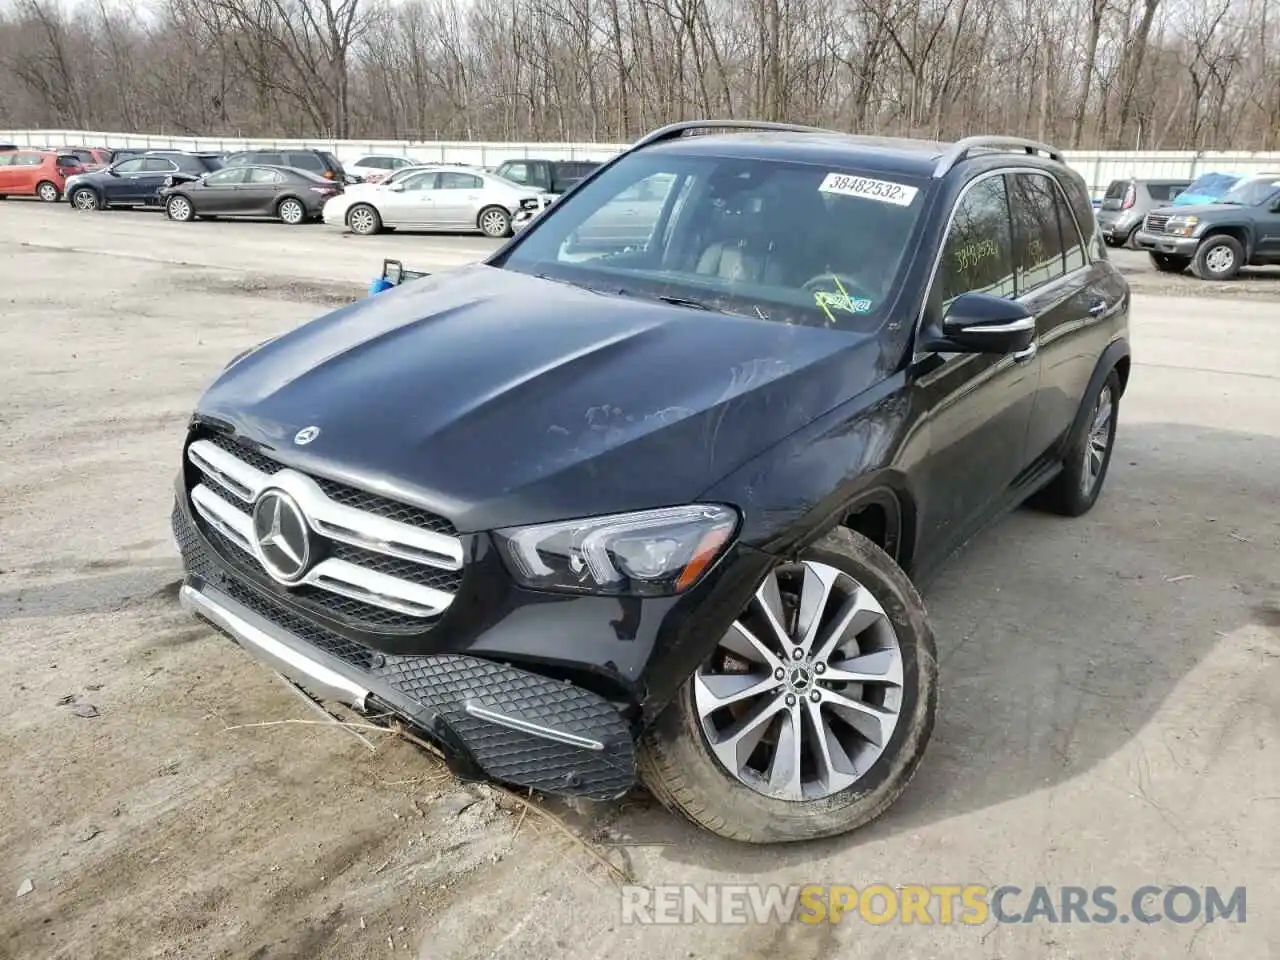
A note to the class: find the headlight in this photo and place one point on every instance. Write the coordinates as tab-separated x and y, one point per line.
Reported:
1184	226
649	554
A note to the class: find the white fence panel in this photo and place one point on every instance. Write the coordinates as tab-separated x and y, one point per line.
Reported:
1097	167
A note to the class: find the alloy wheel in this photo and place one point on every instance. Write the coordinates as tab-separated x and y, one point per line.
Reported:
494	223
85	200
1099	440
361	220
804	692
179	209
48	193
291	212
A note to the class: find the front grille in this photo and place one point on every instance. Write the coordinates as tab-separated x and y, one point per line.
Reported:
1156	223
375	562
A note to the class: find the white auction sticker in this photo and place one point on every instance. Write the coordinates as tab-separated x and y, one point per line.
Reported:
881	190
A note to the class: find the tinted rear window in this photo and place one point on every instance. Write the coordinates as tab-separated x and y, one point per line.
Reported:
304	161
1165	191
1116	189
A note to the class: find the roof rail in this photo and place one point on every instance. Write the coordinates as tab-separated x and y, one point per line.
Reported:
673	131
961	149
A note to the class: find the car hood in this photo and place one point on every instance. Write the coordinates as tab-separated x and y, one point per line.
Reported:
1200	210
497	398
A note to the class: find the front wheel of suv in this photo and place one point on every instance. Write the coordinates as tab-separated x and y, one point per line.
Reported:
1220	257
813	712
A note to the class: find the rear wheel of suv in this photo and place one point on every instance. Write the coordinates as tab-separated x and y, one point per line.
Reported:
494	222
363	219
48	192
1075	490
1220	257
1169	263
813	712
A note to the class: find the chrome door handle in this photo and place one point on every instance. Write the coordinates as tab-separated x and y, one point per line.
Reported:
1022	356
1098	308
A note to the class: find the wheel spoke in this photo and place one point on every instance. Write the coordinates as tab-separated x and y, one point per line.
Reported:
835	769
718	690
784	768
882	666
859	612
770	600
814	594
735	746
873	723
742	642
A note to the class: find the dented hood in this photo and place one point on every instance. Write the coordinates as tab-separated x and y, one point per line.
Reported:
497	398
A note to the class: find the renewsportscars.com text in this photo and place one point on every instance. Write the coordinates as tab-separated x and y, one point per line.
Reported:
929	904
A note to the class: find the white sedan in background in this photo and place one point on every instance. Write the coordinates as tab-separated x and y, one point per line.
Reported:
375	167
439	197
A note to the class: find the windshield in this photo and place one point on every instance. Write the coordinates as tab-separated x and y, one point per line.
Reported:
1254	191
773	240
1207	185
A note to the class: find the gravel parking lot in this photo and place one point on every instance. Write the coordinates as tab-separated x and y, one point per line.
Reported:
1110	686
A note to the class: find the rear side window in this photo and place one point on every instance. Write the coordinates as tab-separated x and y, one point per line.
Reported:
1116	189
304	161
1037	233
977	256
1164	191
158	165
263	175
1073	255
459	181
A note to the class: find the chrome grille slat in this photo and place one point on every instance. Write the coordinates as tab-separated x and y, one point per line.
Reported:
224	499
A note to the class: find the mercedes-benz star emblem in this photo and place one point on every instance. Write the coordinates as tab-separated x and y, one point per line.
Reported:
306	435
281	539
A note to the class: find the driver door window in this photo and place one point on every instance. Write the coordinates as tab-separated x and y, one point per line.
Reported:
978	254
423	181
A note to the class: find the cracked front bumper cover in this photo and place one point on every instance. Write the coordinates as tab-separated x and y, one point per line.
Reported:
508	724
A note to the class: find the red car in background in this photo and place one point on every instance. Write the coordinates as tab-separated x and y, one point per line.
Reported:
92	158
37	173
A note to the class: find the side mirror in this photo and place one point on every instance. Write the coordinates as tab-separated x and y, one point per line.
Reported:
981	323
397	187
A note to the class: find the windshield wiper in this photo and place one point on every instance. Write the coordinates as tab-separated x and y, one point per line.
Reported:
667	298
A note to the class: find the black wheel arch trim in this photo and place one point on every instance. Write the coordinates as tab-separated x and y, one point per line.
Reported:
1117	352
1241	232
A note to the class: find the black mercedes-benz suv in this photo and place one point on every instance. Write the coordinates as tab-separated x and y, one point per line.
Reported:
587	514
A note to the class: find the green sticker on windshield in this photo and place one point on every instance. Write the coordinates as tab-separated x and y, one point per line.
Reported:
828	301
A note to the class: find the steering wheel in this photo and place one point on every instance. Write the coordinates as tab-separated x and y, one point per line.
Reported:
837	292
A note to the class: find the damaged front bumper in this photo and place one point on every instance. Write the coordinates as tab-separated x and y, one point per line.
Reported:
490	719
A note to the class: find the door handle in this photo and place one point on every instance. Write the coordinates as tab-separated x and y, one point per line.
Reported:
1022	356
1098	308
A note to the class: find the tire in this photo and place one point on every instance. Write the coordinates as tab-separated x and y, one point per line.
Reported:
178	208
1169	262
48	192
291	211
494	222
1069	495
677	762
364	220
86	199
1219	257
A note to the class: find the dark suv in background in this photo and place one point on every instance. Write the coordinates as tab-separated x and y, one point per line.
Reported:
654	510
136	181
1128	201
320	162
549	176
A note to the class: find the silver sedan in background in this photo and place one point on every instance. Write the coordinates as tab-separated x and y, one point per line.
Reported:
436	197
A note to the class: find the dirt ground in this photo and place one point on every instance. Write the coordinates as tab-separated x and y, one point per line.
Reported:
1110	686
